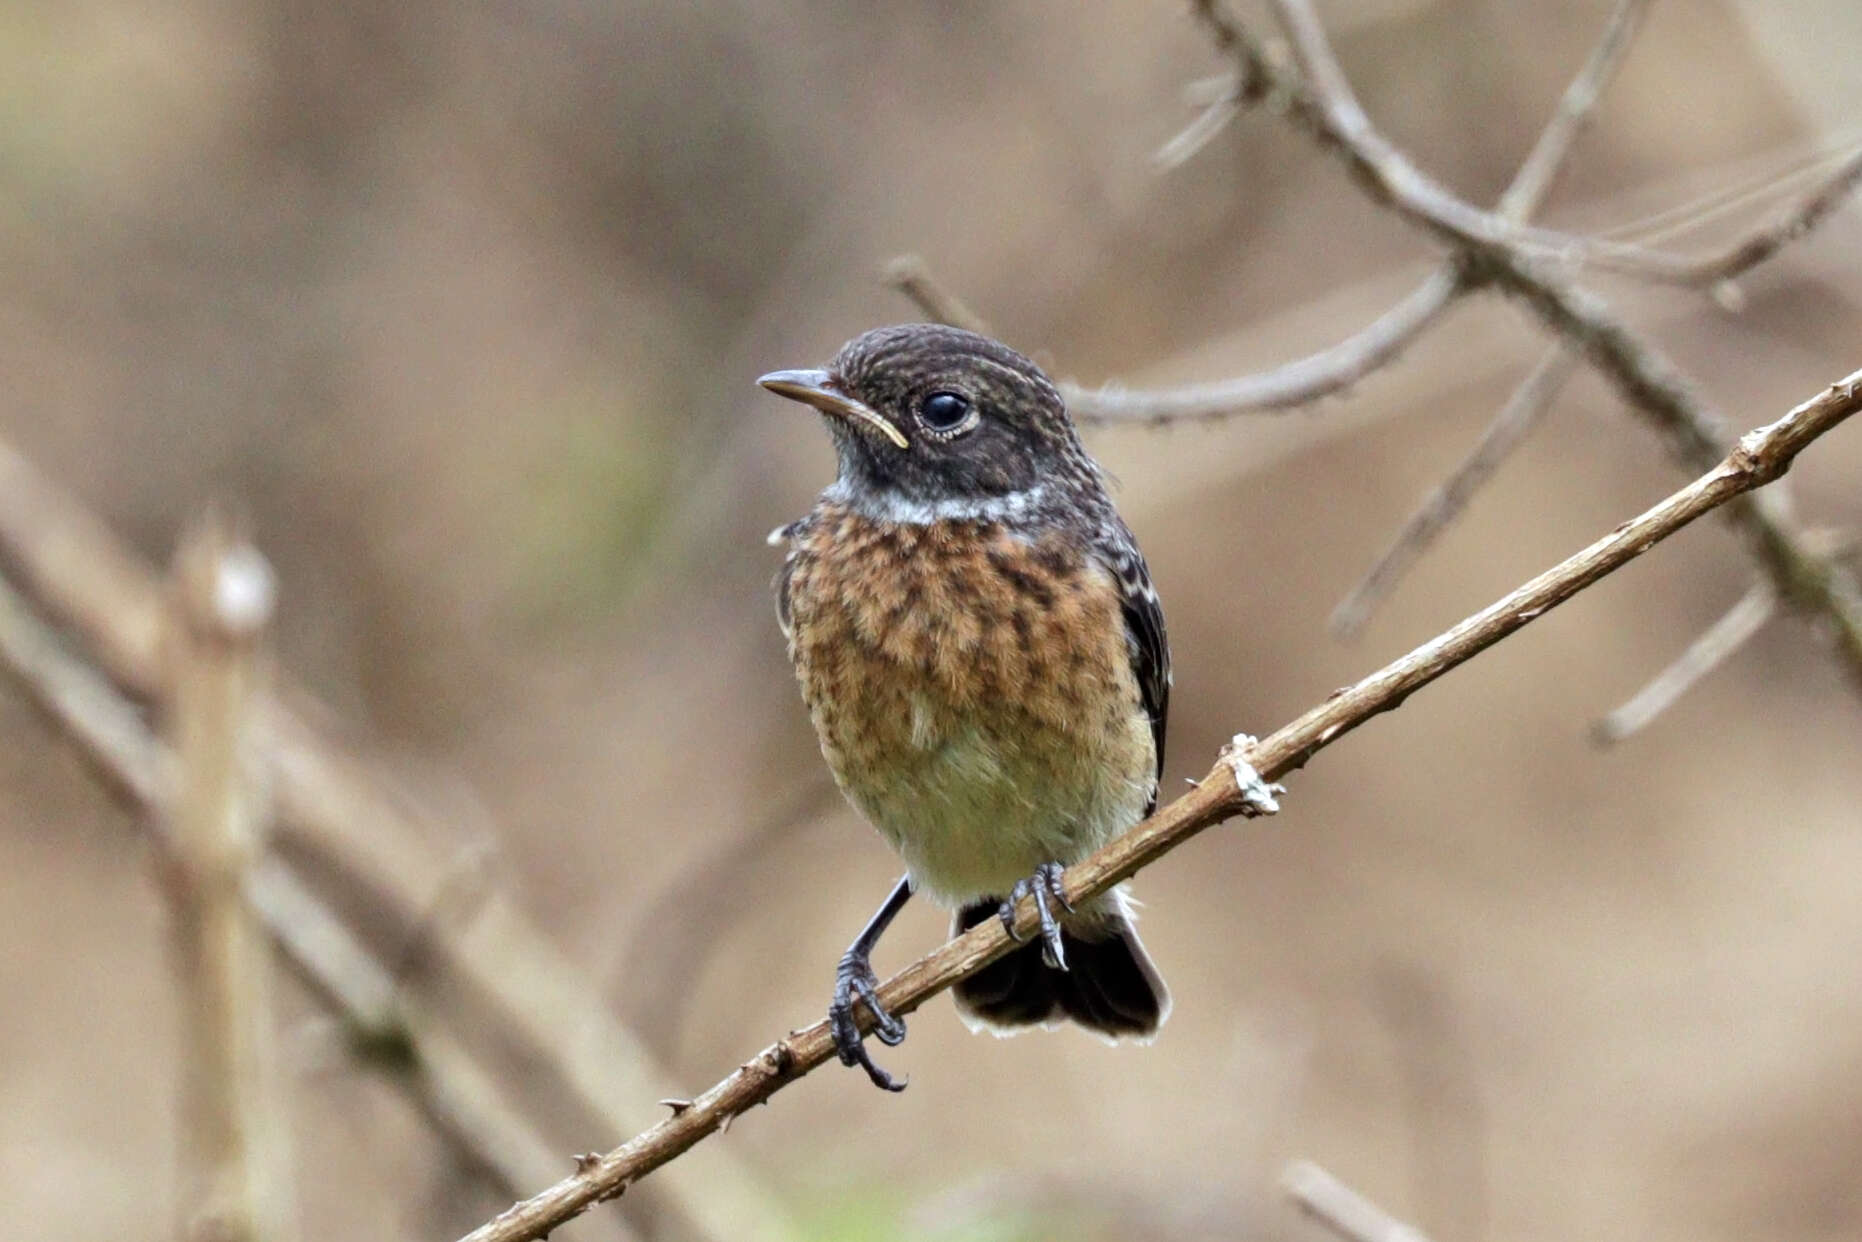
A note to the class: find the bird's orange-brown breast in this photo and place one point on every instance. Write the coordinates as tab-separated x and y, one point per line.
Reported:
972	690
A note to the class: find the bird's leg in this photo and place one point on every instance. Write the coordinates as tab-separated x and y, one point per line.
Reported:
1045	885
855	980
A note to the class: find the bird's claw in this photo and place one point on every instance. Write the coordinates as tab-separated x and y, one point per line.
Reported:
1045	885
855	981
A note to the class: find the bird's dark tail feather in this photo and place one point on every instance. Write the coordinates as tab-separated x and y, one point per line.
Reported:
1110	985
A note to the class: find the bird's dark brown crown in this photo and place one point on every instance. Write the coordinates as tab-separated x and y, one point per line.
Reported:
979	421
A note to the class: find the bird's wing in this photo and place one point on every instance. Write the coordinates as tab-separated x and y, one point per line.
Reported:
1144	639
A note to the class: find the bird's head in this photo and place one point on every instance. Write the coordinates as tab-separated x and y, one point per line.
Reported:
929	415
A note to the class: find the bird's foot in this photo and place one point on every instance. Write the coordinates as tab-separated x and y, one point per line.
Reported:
855	981
1045	885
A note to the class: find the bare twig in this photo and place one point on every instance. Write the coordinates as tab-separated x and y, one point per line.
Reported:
355	820
683	922
1289	386
1507	432
1213	117
1707	271
418	1050
1706	653
1233	787
237	1172
910	276
1332	370
1341	1209
1320	103
1317	98
1575	108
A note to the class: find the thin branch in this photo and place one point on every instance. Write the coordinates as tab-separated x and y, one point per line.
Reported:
912	277
1789	224
237	1171
1322	105
1715	645
1338	367
358	822
1288	386
1318	99
1575	108
682	923
1233	787
1212	119
458	1095
1341	1209
1508	431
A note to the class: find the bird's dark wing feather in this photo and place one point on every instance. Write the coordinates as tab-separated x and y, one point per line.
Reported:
1144	638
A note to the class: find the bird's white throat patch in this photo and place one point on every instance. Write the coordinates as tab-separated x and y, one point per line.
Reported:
888	506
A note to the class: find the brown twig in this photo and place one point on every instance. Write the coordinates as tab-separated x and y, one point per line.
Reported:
1341	1209
1332	370
1291	385
683	922
912	277
1507	432
417	1048
1787	225
1318	100
357	823
1714	647
1233	787
1575	109
236	1171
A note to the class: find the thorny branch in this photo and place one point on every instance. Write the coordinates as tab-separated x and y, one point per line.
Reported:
1233	787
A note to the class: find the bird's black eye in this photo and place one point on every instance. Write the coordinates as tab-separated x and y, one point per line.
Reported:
944	411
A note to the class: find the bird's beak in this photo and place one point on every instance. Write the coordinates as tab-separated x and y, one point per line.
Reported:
821	390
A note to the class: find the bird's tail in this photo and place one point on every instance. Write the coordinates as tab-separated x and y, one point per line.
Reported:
1110	984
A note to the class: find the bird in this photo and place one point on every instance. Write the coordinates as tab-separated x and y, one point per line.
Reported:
984	660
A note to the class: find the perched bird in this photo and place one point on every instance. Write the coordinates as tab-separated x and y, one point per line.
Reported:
984	659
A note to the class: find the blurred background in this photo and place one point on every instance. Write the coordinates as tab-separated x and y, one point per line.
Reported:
463	305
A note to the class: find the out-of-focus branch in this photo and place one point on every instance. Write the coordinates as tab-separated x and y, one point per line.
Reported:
910	275
1575	108
1341	1209
1542	385
416	1048
1787	225
1289	386
1336	368
1318	100
236	1179
684	922
1507	432
355	821
1714	646
1233	787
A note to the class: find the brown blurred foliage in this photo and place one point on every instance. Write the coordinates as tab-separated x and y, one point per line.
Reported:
463	303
